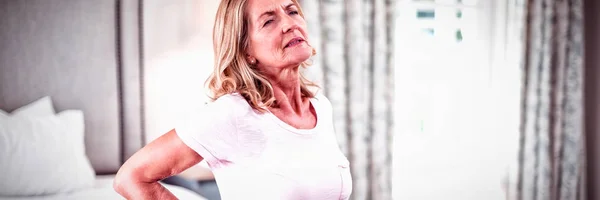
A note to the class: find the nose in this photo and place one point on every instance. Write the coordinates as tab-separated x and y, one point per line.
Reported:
288	24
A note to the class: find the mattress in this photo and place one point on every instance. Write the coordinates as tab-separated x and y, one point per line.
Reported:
103	190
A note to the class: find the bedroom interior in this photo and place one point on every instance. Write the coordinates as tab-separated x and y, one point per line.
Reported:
86	60
117	74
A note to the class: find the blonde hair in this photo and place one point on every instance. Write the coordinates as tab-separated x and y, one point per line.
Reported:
232	72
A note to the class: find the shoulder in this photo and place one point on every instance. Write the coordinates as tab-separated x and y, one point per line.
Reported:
322	100
233	99
233	102
319	96
226	106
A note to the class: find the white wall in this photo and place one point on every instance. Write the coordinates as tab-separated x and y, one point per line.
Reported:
178	59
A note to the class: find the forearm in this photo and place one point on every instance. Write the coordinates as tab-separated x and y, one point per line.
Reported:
143	191
166	156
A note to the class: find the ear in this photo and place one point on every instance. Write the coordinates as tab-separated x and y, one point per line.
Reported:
250	59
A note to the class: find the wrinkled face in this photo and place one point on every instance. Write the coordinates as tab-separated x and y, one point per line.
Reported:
277	35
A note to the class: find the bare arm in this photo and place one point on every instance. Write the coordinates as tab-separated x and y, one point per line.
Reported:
166	156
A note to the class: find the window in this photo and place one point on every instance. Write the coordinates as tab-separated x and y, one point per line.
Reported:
426	14
429	31
447	85
440	41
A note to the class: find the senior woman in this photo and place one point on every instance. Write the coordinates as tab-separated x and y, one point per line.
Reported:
266	135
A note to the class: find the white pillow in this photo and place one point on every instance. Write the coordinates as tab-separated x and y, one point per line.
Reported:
43	154
40	107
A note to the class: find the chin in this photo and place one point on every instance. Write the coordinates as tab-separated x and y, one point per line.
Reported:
300	55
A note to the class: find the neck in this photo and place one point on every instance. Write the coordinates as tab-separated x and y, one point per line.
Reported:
286	90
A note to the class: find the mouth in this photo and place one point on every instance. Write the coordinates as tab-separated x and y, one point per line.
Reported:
293	42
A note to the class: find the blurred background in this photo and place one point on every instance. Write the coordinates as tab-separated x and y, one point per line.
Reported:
433	99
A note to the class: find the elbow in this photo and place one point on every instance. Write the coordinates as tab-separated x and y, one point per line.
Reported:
123	180
118	185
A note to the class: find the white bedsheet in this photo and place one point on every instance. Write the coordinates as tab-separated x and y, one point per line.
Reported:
103	190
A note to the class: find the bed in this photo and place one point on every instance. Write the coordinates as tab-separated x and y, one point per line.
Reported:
86	56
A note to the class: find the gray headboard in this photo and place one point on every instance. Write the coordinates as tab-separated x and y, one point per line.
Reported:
85	55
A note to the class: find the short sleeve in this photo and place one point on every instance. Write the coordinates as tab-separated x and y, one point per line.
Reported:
211	131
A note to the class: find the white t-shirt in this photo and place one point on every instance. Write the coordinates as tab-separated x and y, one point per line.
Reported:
258	156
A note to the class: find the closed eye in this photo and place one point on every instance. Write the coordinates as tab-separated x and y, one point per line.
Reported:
267	22
293	12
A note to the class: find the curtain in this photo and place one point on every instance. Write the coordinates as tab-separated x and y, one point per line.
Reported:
551	162
354	67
